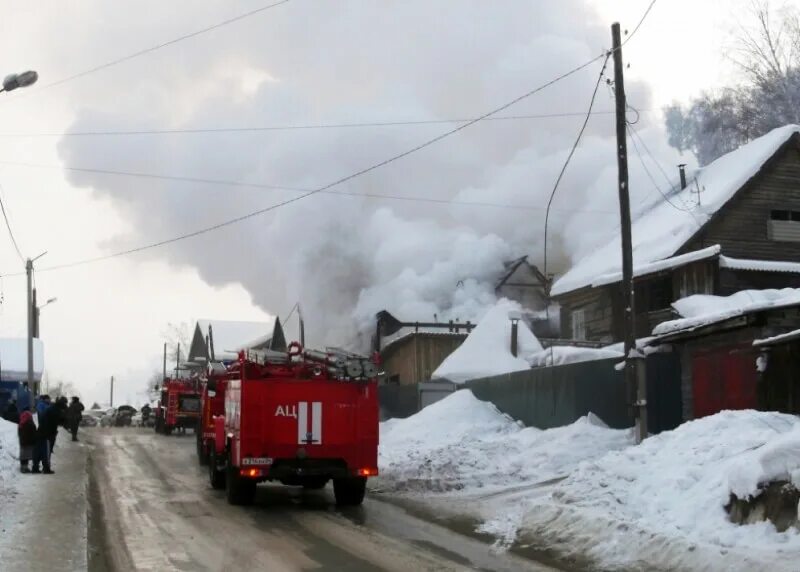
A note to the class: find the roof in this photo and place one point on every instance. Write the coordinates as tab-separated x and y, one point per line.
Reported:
229	337
660	265
662	230
14	359
510	267
408	333
777	340
758	265
702	310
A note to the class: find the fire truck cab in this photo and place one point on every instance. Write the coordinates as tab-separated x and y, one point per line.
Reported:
178	406
301	418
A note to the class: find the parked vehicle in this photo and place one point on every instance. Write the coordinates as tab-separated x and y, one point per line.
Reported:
301	418
178	406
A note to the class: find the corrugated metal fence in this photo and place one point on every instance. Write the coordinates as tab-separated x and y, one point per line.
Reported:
556	396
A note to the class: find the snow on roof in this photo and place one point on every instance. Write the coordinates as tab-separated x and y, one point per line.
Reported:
14	359
775	340
487	350
662	230
230	337
702	309
658	266
758	265
561	355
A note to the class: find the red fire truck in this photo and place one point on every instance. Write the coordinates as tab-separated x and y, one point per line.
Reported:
212	404
302	418
178	406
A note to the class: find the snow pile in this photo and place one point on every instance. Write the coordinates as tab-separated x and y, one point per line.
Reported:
660	231
702	309
487	349
562	355
9	453
463	444
663	502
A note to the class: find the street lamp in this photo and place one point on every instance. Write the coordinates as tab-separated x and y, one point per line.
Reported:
15	80
36	322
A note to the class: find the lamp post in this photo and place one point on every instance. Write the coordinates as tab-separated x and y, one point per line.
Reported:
15	80
38	310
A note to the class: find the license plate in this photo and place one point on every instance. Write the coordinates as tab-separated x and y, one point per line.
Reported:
257	461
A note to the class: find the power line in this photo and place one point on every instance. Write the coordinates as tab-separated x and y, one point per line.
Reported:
8	226
570	155
230	183
206	130
159	46
352	176
685	208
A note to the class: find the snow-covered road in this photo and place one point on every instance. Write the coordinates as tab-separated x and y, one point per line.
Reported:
161	514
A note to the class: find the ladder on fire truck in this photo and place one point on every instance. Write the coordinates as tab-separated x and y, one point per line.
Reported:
172	406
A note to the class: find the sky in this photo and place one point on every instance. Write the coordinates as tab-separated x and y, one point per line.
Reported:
310	62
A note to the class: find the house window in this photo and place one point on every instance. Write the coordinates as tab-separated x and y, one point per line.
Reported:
579	324
784	225
660	294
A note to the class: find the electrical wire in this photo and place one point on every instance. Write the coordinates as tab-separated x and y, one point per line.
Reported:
364	171
244	184
8	226
156	47
571	154
267	128
291	313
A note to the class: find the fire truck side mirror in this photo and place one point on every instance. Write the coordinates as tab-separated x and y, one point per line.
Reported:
212	385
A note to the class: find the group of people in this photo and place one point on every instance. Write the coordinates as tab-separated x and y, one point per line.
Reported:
36	442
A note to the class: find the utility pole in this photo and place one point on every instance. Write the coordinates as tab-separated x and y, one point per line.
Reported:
177	360
29	273
164	375
111	399
635	382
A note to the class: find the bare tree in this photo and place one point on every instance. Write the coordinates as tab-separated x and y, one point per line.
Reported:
61	389
766	49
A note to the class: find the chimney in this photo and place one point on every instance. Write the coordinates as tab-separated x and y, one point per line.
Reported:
515	318
683	175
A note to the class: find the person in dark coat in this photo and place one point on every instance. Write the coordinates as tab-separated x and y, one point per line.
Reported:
11	413
74	416
27	439
46	434
60	420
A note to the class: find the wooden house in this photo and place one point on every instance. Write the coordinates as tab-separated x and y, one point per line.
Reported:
734	226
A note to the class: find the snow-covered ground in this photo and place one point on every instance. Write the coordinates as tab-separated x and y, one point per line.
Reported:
587	492
9	456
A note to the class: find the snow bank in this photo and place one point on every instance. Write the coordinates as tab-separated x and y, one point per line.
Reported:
702	309
9	454
461	444
663	502
562	355
487	349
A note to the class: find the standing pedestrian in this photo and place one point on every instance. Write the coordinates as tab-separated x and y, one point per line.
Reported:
46	435
60	414
74	416
27	439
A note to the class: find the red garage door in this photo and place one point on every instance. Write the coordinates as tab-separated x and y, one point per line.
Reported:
724	379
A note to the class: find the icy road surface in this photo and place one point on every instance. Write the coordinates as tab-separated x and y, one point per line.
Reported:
161	514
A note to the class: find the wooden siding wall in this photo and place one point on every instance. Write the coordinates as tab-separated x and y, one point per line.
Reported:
596	303
740	227
731	281
417	356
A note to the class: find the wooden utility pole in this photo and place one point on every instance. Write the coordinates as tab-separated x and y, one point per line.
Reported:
111	398
634	365
164	374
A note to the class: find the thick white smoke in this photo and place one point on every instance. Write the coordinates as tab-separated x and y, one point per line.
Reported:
343	257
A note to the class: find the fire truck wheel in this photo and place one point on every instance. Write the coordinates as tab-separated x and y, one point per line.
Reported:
350	491
240	491
314	483
215	475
